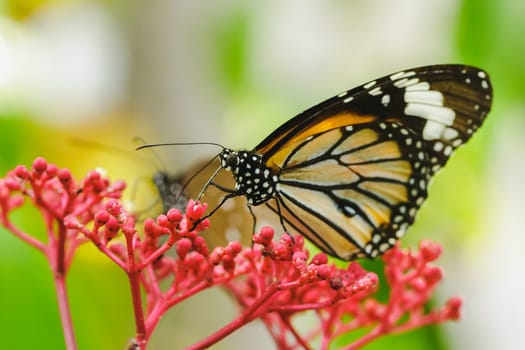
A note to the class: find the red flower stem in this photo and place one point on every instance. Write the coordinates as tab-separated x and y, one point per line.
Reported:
275	326
134	283
154	317
282	286
158	252
245	317
140	327
63	307
286	322
326	327
40	203
391	315
260	280
59	271
150	284
60	250
103	248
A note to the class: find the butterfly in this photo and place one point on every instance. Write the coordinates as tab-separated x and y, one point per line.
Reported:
351	173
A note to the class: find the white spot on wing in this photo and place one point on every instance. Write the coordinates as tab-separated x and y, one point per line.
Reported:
369	85
406	82
432	130
442	115
419	86
403	74
383	247
385	100
438	146
348	99
425	97
457	142
375	91
450	134
350	211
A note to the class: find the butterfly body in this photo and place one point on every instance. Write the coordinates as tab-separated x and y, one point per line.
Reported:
253	179
168	188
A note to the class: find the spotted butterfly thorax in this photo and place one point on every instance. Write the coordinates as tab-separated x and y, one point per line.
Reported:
351	173
253	179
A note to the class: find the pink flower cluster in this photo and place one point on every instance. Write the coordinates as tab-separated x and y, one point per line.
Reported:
57	196
273	280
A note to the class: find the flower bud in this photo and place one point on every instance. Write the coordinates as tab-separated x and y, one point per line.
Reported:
39	165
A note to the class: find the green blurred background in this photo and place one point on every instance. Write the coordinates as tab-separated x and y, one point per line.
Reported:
230	72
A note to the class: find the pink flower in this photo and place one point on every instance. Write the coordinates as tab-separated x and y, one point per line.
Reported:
274	280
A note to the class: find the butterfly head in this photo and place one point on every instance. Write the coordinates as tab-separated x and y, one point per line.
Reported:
253	179
169	188
229	159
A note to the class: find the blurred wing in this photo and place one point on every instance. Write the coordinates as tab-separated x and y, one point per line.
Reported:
232	221
354	170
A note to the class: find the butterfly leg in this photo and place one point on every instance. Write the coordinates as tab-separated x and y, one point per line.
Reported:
281	219
224	199
254	220
222	188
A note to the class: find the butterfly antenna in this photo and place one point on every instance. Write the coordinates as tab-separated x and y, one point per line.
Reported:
150	145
